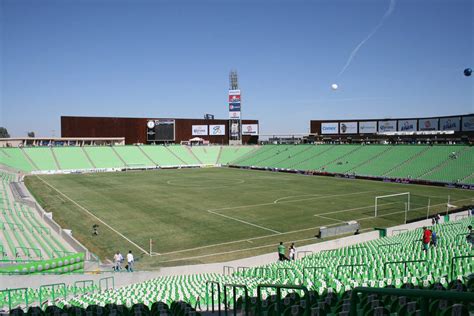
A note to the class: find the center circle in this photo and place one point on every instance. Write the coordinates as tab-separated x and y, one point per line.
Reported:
204	183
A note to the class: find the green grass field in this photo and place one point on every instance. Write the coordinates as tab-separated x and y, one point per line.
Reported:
217	214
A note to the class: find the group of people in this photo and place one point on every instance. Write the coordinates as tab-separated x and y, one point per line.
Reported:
119	259
282	252
429	238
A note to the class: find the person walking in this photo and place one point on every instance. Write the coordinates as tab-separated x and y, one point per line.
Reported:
434	239
426	238
120	261
130	261
281	252
117	262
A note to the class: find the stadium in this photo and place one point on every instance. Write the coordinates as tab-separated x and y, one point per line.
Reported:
181	215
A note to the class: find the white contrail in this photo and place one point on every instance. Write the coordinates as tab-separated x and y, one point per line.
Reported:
376	28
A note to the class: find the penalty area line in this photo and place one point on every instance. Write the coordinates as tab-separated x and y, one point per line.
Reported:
244	222
92	215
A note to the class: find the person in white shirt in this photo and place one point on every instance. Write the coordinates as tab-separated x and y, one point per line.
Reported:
292	252
130	261
120	261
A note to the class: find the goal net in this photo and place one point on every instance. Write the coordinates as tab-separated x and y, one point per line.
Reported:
392	204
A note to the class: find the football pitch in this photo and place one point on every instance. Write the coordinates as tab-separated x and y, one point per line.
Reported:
218	214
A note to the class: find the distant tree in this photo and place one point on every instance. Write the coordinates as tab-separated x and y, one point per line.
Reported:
31	134
4	133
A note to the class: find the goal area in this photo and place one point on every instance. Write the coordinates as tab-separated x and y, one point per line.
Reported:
392	204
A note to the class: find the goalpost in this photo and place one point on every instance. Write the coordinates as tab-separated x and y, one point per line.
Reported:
399	202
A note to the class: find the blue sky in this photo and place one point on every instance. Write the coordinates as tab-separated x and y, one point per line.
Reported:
172	59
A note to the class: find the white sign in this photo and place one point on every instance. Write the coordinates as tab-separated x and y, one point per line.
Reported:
450	124
387	126
249	129
368	127
348	127
407	125
428	124
234	115
234	92
468	123
329	128
216	130
199	130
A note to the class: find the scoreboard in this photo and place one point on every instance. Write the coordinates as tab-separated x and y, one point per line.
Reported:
161	130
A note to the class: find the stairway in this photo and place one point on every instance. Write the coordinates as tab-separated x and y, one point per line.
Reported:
442	164
55	159
389	148
148	157
219	155
88	158
194	155
117	154
32	163
177	157
312	157
406	161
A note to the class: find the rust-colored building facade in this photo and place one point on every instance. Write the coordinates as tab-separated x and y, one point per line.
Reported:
135	129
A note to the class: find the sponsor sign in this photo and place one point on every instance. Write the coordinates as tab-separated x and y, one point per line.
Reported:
348	127
234	92
329	128
428	124
468	123
234	115
215	130
407	125
368	127
199	130
450	124
234	98
249	129
234	107
387	126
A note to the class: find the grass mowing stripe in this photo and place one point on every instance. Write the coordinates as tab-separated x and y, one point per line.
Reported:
244	222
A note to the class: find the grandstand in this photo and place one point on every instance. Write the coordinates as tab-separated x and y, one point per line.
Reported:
325	283
440	163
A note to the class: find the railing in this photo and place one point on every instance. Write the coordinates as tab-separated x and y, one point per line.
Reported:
227	270
398	262
264	271
311	268
352	268
423	294
453	260
26	251
9	291
234	299
53	287
83	283
106	281
278	290
285	272
242	269
212	283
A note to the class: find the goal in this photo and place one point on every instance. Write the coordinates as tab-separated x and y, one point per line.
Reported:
392	204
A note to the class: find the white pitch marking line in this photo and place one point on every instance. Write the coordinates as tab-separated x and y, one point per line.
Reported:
351	209
272	235
92	215
244	222
332	219
291	201
291	196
